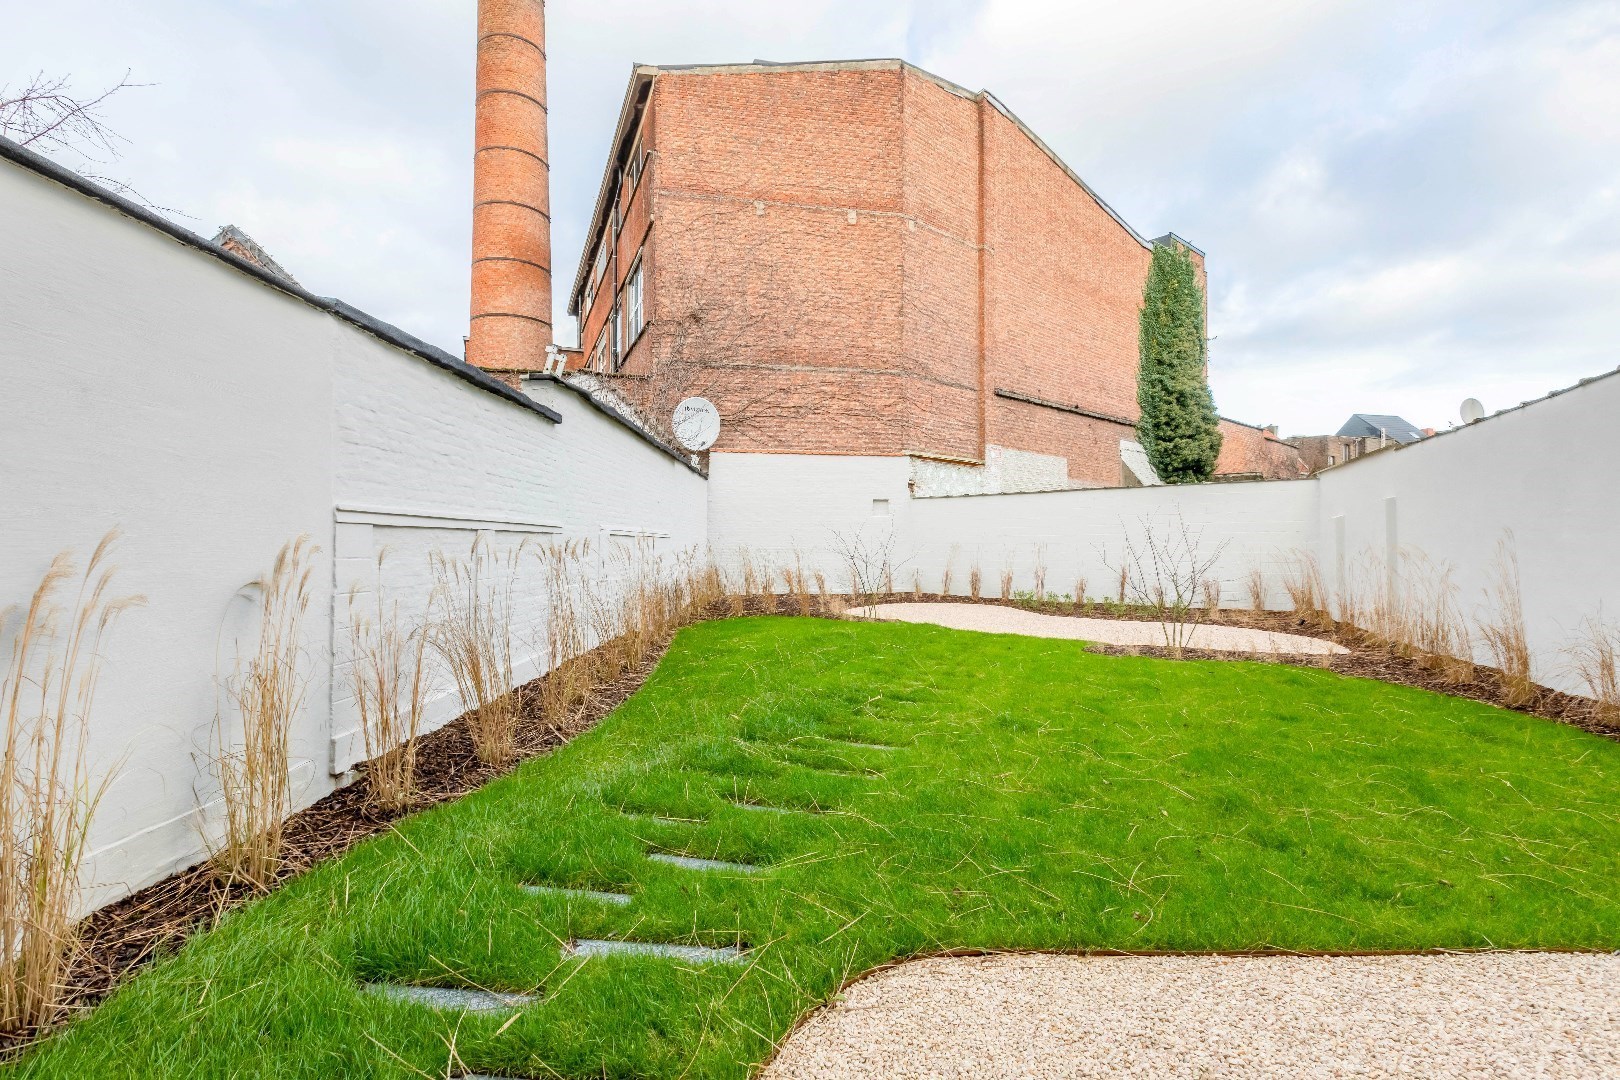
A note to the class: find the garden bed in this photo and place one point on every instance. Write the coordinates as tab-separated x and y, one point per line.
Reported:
942	792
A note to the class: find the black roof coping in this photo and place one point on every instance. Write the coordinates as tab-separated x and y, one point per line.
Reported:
606	408
392	335
1170	239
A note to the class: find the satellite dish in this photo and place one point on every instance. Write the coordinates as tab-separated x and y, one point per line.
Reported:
1472	411
697	423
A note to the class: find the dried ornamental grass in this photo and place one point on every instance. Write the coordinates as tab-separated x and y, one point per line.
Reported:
1257	589
48	794
1593	658
387	669
268	691
1502	627
472	634
1302	580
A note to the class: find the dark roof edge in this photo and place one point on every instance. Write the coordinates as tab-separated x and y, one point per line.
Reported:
608	410
1396	447
392	335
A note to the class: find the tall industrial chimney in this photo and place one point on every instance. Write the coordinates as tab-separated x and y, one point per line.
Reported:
511	256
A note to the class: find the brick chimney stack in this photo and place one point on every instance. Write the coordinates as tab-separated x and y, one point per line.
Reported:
511	256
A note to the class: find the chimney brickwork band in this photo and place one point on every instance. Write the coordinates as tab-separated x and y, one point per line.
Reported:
511	256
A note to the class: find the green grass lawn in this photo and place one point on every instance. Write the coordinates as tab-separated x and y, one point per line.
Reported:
1039	797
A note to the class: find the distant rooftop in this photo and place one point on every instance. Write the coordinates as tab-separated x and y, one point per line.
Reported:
1374	425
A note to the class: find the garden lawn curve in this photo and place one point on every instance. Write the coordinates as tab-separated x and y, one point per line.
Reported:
873	792
1130	633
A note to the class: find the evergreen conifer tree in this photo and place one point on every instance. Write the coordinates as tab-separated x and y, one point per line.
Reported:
1179	428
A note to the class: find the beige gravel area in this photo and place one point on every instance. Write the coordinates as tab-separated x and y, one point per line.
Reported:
1039	1016
997	619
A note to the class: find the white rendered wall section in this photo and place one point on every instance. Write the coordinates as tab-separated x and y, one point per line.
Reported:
151	387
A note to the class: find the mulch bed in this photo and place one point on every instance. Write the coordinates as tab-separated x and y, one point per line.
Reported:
122	937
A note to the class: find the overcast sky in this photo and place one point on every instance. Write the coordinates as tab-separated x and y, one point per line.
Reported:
1403	204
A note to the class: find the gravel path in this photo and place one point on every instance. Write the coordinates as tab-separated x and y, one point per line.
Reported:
1038	1016
996	619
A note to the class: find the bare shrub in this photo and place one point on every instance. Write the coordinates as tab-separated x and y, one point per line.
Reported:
1502	627
1593	658
869	561
387	670
946	575
1124	584
1006	580
975	581
1079	594
472	634
1212	597
48	795
916	585
268	691
1166	566
1040	573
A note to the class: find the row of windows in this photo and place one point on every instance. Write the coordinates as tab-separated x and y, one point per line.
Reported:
624	325
628	318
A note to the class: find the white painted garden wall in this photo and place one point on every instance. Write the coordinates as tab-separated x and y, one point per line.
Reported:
1548	473
212	417
778	507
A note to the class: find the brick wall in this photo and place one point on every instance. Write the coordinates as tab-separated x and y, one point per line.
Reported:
854	258
1252	452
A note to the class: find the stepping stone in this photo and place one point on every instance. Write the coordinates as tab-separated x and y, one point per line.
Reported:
451	998
697	954
578	894
687	862
767	809
660	819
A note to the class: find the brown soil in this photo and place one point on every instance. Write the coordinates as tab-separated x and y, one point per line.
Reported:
122	937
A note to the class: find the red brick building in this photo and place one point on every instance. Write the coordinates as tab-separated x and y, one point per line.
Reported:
861	258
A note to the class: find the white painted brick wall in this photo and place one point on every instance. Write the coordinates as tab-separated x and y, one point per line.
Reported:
212	418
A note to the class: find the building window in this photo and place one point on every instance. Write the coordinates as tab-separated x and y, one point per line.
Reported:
632	169
632	321
600	267
599	357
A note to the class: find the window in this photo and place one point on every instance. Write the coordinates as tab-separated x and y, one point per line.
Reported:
587	298
599	358
632	168
600	266
632	322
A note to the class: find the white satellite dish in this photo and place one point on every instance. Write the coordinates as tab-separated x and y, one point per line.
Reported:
1472	411
697	423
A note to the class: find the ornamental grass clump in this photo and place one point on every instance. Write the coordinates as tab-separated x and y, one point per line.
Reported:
1595	658
387	670
472	635
1502	628
48	791
267	693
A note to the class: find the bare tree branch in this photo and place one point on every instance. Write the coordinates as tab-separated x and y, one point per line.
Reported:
45	115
